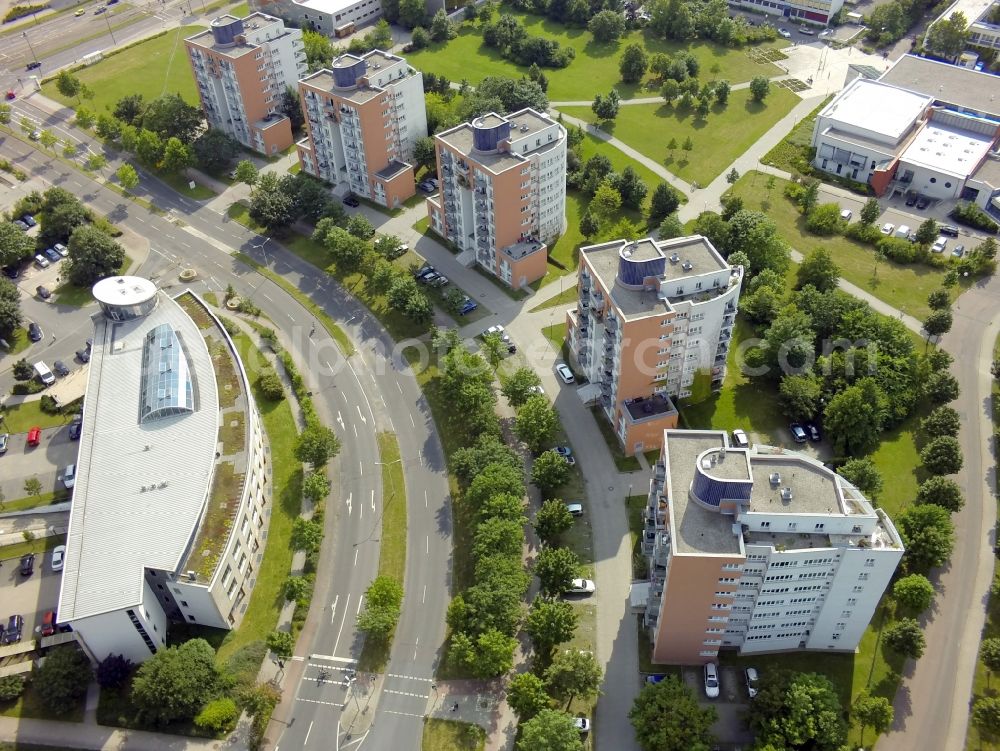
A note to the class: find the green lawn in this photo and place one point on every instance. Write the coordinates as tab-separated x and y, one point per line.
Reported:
717	141
151	68
792	152
68	293
19	342
36	545
449	735
268	594
905	287
20	418
181	185
595	68
35	501
556	334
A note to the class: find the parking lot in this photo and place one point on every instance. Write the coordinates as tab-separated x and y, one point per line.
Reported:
28	596
730	729
45	461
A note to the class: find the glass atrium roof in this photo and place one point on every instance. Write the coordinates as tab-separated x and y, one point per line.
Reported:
166	379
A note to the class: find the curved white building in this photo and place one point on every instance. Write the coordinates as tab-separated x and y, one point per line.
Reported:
171	502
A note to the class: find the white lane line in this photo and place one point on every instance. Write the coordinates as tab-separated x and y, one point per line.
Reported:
362	468
333	658
340	418
266	296
306	741
409	677
404	693
423	597
356	556
355	429
363	418
406	714
139	219
350	743
348	502
425	499
327	703
360	602
428	546
363	392
373	500
399	387
361	510
411	420
391	426
185	245
333	609
344	618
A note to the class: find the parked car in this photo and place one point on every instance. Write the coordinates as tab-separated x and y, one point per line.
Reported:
35	332
563	371
958	251
49	623
428	277
35	135
29	220
27	564
498	330
846	215
102	9
52	255
69	476
940	244
582	724
43	292
813	431
74	431
4	440
350	200
654	679
21	225
785	33
911	199
42	262
15	625
798	433
582	587
58	557
575	508
83	355
740	439
711	680
468	305
887	228
60	368
806	32
751	677
948	229
441	281
923	203
570	460
423	271
425	186
80	12
563	450
34	436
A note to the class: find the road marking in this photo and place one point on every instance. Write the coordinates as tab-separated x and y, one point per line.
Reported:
360	602
340	419
404	693
363	392
391	426
185	245
363	418
332	658
373	499
356	556
341	630
423	597
428	546
362	468
290	316
349	497
327	703
399	387
406	714
355	430
139	219
266	297
307	733
425	499
333	608
351	743
411	420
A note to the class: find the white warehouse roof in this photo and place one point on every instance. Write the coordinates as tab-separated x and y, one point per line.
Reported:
141	484
877	107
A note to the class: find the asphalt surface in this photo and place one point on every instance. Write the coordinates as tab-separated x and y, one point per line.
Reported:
373	392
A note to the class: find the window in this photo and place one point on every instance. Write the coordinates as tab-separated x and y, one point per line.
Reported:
862	577
933	180
819	527
869	562
184	603
852	601
765	525
947	185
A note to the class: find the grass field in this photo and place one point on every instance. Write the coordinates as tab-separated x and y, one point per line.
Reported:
718	140
449	735
37	545
904	287
595	68
20	418
792	152
34	501
154	67
19	342
564	299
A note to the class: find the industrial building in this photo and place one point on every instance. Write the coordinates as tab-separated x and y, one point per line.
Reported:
172	497
324	16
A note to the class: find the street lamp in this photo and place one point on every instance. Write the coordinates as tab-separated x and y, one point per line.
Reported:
34	57
108	22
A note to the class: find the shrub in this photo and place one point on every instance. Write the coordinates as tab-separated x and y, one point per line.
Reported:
898	249
973	216
113	670
863	233
20	11
11	687
26	387
49	405
825	219
22	370
218	716
62	679
270	386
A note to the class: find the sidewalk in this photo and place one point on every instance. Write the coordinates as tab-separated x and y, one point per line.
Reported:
83	735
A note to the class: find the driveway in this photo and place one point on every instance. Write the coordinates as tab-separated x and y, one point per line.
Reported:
730	729
45	461
29	596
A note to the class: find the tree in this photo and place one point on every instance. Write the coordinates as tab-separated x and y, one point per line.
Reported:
316	445
424	153
169	116
670	91
663	203
941	387
732	176
756	234
520	386
129	109
33	486
175	682
633	64
797	710
14	244
291	108
149	147
113	670
800	394
96	162
319	49
214	150
12	686
247	173
939	299
760	87
631	188
914	592
667	717
412	13
927	232
316	487
556	568
863	474
948	36
671	227
383	600
605	203
589	225
874	712
550	730
853	417
127	176
820	270
942	456
721	91
22	372
48	138
573	673
360	226
526	696
928	536
549	624
281	643
941	421
486	655
498	537
10	309
441	28
938	323
607	26
989	652
271	204
552	519
68	85
869	212
4	113
905	638
606	106
93	255
63	679
986	715
470	12
176	155
536	422
941	491
549	471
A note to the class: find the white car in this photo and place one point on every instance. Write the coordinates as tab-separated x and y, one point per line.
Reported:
69	476
940	244
576	509
785	33
499	331
887	228
752	681
58	557
711	680
582	724
740	439
562	369
582	587
61	249
846	215
537	390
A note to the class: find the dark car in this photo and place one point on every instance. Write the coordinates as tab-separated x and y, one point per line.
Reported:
43	292
798	433
15	624
83	355
33	65
350	200
52	255
911	199
27	564
34	332
948	229
60	368
11	272
74	430
813	431
29	220
923	203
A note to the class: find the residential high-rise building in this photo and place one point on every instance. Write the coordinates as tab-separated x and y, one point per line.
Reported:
172	496
653	322
503	192
757	550
363	116
242	68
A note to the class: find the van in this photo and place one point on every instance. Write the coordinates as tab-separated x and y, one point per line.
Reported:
44	374
902	231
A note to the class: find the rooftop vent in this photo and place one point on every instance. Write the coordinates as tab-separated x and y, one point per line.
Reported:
524	128
775	479
786	494
674	258
687	265
192	575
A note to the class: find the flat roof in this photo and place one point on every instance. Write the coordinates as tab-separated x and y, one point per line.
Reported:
813	487
695	251
123	290
528	119
323	80
953	84
141	486
647	407
945	149
207	40
988	172
877	107
330	7
459	138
